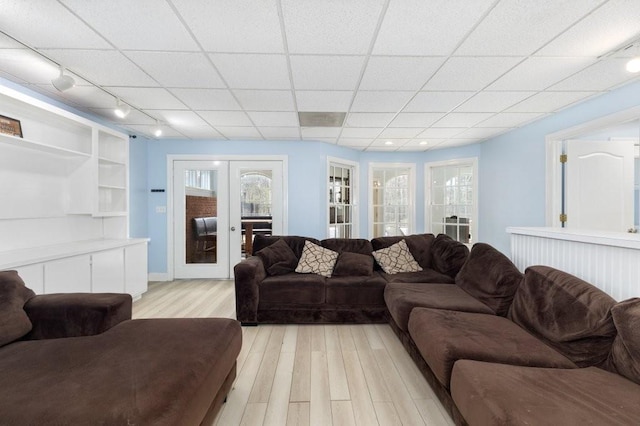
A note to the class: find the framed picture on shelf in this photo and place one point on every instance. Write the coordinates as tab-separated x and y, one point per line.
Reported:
10	126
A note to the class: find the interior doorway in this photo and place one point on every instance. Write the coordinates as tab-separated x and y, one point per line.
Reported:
217	208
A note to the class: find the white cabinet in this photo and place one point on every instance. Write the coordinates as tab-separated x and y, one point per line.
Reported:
107	271
33	276
70	275
135	263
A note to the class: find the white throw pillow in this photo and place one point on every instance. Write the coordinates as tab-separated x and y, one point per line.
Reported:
316	260
396	258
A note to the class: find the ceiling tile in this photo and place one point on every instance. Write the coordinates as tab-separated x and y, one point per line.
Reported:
91	96
239	132
398	73
326	72
179	119
355	142
200	132
481	133
441	132
135	117
320	132
178	69
225	118
450	143
427	20
245	71
415	119
603	75
265	100
323	100
385	148
510	119
207	99
28	66
412	148
460	73
215	25
549	101
537	73
119	21
330	27
375	101
437	101
492	101
105	67
605	29
360	132
7	42
147	97
280	132
274	119
520	27
167	132
395	143
47	24
462	119
423	143
401	132
368	119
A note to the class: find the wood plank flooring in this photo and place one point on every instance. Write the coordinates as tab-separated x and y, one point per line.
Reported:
306	374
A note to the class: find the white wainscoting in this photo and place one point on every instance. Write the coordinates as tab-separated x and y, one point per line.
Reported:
608	260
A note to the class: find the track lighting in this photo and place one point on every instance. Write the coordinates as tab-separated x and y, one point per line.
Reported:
634	65
157	132
63	82
122	109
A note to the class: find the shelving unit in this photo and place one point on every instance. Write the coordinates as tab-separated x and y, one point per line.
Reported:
64	211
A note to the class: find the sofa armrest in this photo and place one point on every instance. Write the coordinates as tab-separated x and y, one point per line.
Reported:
76	314
248	275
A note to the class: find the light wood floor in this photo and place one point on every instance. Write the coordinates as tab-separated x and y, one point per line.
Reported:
306	374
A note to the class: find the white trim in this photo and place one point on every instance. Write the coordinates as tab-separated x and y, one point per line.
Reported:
355	193
427	188
553	146
208	157
412	192
160	276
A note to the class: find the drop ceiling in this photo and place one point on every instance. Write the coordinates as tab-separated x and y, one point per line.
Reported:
423	74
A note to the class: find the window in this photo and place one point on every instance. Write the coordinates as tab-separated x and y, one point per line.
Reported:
200	179
392	199
255	193
452	198
342	209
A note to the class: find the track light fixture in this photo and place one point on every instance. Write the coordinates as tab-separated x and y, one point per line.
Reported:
634	65
157	132
63	82
122	109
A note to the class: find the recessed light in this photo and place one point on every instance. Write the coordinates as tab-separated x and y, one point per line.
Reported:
388	143
634	65
423	142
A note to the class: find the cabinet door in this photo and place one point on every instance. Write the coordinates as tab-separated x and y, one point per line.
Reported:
107	271
70	275
135	262
33	277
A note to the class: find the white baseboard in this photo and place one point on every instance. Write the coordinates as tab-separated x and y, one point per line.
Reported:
159	276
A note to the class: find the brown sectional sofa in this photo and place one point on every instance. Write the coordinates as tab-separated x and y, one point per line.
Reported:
497	346
79	359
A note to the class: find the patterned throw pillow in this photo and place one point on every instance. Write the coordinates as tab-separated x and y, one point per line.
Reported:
396	258
316	260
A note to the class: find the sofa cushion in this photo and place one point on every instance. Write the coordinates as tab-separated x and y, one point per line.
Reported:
142	372
419	246
490	277
396	258
401	298
497	394
295	242
278	258
448	255
293	288
624	358
424	276
353	245
316	259
444	337
567	313
353	264
355	290
13	296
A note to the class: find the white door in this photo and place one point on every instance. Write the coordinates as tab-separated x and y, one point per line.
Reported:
256	203
201	219
599	185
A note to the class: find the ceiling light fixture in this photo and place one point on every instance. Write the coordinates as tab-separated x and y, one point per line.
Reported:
63	82
157	132
122	109
634	65
388	143
423	142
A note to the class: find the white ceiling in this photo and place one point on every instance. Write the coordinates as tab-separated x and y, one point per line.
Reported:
422	74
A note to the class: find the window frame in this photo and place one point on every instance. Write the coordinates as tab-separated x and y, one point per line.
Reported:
355	184
473	161
411	208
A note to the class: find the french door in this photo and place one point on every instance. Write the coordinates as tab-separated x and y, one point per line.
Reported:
218	208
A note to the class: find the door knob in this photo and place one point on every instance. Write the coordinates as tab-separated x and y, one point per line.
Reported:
233	228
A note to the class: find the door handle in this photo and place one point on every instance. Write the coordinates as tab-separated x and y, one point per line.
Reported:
233	228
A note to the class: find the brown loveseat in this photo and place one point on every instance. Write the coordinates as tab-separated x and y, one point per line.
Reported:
79	359
269	291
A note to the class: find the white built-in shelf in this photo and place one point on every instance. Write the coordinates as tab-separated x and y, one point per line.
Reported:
112	187
22	143
108	161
